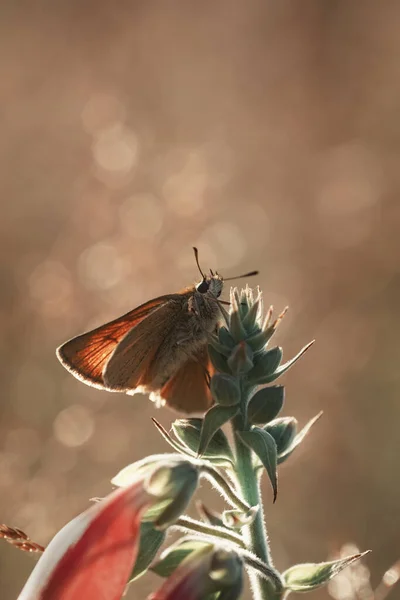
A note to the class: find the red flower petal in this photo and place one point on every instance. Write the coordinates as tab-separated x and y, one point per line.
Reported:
92	556
97	567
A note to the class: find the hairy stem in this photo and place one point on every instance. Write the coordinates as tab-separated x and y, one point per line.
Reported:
255	534
189	524
225	488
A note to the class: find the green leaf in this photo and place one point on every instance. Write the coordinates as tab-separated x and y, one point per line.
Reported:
286	366
150	541
264	446
283	430
173	556
214	418
265	365
250	320
164	433
266	404
241	359
258	341
298	439
303	578
216	344
219	362
188	432
225	389
225	338
236	328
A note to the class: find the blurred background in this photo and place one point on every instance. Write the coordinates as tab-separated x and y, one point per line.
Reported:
267	134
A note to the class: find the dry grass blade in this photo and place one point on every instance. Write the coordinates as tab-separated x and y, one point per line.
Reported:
18	538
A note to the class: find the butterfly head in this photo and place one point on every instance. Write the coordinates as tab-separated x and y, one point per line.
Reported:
211	284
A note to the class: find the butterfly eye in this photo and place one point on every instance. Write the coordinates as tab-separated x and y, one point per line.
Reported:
203	287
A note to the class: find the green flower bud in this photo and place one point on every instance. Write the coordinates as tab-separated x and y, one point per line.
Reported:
226	570
265	364
283	430
176	483
197	570
236	519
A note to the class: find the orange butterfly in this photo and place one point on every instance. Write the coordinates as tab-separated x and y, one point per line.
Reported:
160	347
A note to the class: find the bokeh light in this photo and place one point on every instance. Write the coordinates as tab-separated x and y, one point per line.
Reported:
265	133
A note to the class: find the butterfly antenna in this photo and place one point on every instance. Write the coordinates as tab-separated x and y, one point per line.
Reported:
196	255
250	274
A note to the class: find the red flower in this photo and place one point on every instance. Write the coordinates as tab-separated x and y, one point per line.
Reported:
92	556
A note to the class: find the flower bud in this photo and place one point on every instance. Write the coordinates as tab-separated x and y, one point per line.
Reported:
236	519
177	483
283	430
207	570
265	364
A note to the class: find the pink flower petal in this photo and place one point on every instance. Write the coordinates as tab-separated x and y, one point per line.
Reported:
94	553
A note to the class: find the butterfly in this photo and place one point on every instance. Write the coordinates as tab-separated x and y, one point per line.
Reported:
159	348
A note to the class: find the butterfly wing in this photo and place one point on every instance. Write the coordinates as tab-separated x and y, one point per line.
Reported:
87	355
187	390
141	358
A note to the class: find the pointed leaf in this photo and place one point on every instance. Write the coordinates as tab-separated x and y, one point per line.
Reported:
219	361
240	360
260	339
250	320
286	366
303	578
150	542
214	418
298	439
225	337
283	430
264	446
225	389
266	404
188	433
179	447
236	329
216	344
265	365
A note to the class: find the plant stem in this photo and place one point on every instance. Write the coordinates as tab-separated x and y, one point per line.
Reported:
225	488
189	524
255	533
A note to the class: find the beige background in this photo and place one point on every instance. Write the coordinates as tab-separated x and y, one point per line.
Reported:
268	134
